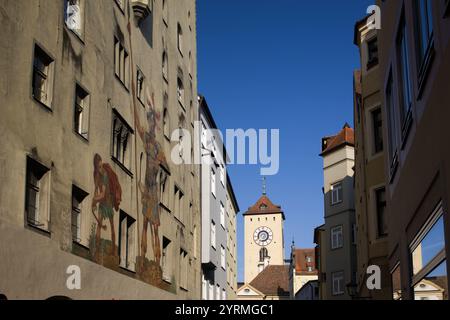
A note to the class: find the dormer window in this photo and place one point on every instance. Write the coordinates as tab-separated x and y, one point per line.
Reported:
263	207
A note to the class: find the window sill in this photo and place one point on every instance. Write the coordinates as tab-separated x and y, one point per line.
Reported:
42	104
127	270
81	137
372	64
336	203
337	248
80	245
181	105
37	229
141	102
184	289
425	68
122	166
78	36
165	78
122	83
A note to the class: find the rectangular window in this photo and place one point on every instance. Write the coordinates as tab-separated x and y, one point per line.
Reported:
38	195
337	283
211	291
73	15
127	241
217	292
396	283
393	127
121	136
337	237
405	79
336	193
165	11
222	257
179	204
183	269
204	138
224	294
81	112
377	124
42	84
372	49
140	86
213	182
204	288
424	33
222	215
380	198
121	65
213	234
166	260
222	174
78	197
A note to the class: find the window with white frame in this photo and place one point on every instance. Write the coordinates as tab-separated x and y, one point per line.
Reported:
73	15
337	283
213	182
121	140
78	197
81	112
336	193
127	241
222	174
222	257
121	63
166	260
140	85
38	195
42	84
204	288
204	136
183	269
222	215
337	240
213	234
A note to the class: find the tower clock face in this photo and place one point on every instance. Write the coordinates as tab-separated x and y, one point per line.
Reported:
263	236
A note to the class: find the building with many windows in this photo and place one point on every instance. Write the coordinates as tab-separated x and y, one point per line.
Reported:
219	209
92	92
370	189
302	269
337	243
414	68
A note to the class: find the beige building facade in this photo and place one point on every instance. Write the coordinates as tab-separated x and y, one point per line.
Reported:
370	189
91	92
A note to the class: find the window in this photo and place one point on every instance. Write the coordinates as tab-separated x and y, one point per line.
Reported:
78	196
163	185
81	112
222	215
428	259
396	283
165	66
308	259
180	91
38	195
424	34
183	269
213	234
377	123
336	193
337	240
190	64
140	85
337	283
380	198
204	288
217	292
405	81
127	241
166	120
121	138
166	261
204	137
179	204
393	127
222	257
447	7
73	16
121	62
165	12
213	182
263	254
224	294
354	233
222	174
42	77
310	269
372	49
180	39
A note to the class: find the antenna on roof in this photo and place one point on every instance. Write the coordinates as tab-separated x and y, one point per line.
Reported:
264	186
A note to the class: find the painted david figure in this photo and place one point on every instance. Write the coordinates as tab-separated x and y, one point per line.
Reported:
150	191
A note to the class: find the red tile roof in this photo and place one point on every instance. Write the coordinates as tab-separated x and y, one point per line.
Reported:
345	137
264	206
273	280
301	261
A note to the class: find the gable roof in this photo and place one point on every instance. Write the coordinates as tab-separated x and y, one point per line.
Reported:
301	262
241	292
346	137
264	206
273	280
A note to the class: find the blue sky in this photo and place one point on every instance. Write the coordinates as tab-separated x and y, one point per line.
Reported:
283	65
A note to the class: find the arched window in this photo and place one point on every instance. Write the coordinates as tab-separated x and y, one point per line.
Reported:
180	38
263	254
164	65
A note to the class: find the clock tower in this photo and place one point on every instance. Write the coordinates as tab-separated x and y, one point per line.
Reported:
264	239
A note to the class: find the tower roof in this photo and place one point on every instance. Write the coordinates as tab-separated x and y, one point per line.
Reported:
346	137
264	206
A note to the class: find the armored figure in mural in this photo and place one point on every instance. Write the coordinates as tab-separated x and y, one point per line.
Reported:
150	191
107	198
